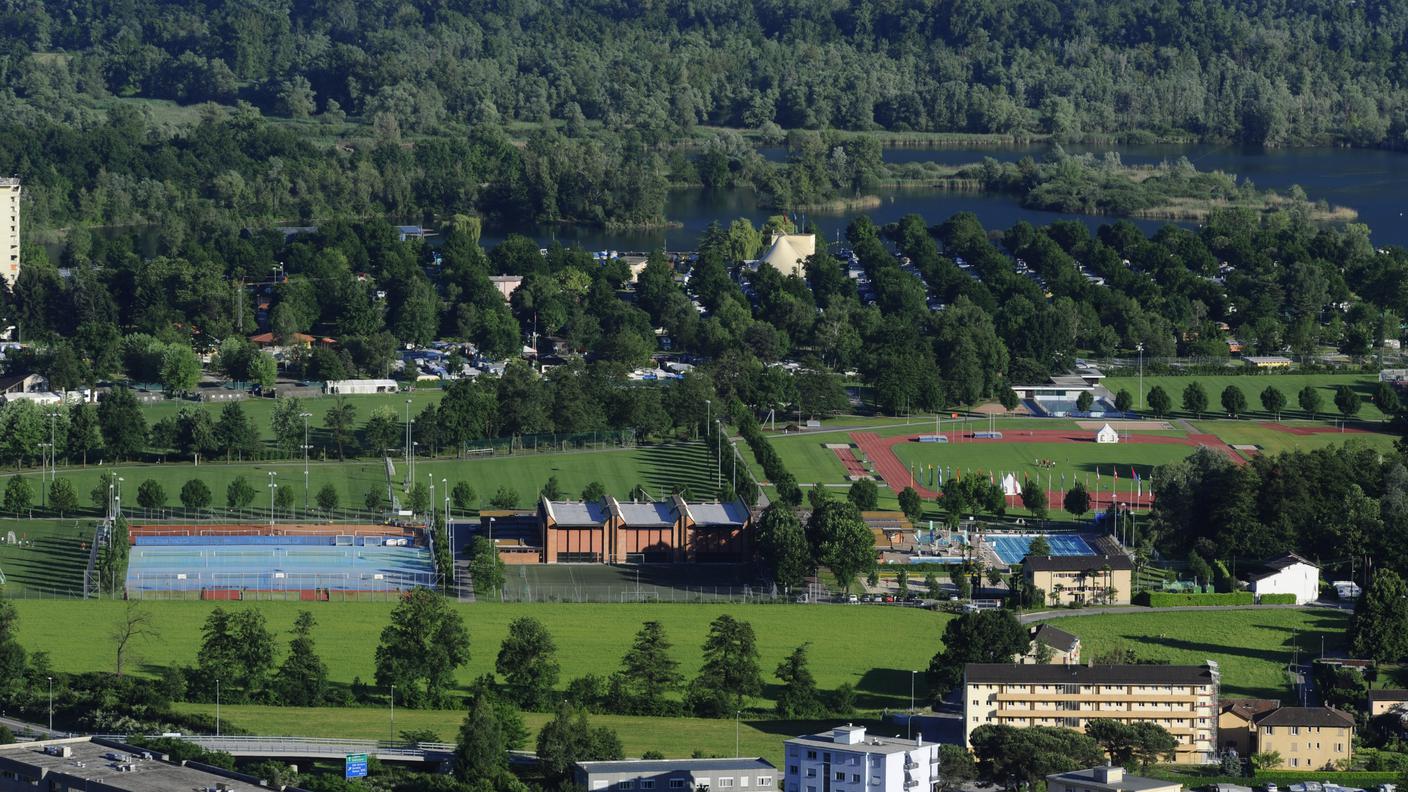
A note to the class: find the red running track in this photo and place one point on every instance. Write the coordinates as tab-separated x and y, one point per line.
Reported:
849	461
896	474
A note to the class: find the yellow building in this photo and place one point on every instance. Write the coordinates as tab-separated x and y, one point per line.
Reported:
1383	702
10	230
1107	779
1181	699
1307	738
1236	723
1083	580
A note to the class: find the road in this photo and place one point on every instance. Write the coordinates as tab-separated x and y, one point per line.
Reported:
1031	618
25	727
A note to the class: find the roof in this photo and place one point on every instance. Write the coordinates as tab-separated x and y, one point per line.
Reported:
644	766
1279	564
872	744
1055	638
998	673
1388	695
887	520
576	512
789	250
11	381
90	766
651	514
1306	716
1248	709
1127	782
706	514
1090	563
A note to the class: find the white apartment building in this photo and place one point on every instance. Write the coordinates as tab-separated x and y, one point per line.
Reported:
849	760
10	230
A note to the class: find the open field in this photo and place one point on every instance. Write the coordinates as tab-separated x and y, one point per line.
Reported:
261	411
1253	647
1252	385
657	468
673	737
590	638
49	557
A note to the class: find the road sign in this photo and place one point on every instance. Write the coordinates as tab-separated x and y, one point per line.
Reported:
355	766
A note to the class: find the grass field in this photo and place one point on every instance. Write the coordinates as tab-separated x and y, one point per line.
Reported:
48	557
674	737
1252	385
261	411
590	638
657	468
1253	647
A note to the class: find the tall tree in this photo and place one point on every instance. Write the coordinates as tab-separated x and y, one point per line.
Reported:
339	421
1195	399
993	636
568	738
1234	401
1273	401
124	428
648	672
135	624
84	435
1379	629
798	698
421	648
1347	401
843	542
1159	401
302	679
782	547
527	660
730	672
1309	400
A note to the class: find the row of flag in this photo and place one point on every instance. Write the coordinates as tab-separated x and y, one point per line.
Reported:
933	476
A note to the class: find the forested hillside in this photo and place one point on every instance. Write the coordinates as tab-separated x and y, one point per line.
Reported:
1277	72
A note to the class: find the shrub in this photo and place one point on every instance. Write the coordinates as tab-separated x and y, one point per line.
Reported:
1168	599
1278	599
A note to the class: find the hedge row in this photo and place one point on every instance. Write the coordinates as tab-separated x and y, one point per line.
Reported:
786	485
1278	599
1169	599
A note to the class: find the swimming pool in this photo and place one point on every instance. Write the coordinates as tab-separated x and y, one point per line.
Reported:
1013	548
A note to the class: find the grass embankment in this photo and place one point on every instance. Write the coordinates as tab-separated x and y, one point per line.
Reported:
657	468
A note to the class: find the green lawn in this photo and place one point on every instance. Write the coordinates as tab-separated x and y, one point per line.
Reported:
1271	441
1253	647
262	410
1252	385
658	468
848	644
674	737
49	556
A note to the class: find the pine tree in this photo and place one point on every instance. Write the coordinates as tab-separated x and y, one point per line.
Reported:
302	680
799	697
648	672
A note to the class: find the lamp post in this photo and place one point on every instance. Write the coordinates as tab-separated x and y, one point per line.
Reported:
393	712
491	531
408	444
736	715
909	722
708	413
305	416
111	514
1140	347
719	456
273	485
430	507
117	499
217	706
51	706
47	452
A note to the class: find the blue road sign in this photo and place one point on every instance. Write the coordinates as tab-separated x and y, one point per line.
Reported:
355	766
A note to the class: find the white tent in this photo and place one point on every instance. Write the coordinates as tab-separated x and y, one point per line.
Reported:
1107	434
1010	485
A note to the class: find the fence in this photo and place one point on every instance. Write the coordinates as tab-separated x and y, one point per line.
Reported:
661	594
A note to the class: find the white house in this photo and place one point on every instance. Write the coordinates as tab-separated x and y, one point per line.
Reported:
1107	434
1289	574
361	386
849	760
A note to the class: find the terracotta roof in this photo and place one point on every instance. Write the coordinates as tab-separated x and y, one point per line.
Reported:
1306	716
1091	563
1248	709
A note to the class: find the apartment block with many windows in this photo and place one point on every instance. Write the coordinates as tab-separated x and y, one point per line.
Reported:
1181	699
849	760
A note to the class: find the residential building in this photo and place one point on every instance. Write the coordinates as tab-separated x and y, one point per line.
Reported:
1051	645
1306	738
93	764
360	387
10	230
506	284
1288	574
846	759
1107	779
1105	579
743	774
1236	723
1181	699
1384	702
24	383
668	531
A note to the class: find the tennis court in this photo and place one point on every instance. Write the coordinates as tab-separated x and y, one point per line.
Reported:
276	563
1012	548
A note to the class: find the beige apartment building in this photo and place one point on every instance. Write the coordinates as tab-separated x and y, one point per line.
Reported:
1385	701
1181	699
10	230
1307	738
1081	580
1236	723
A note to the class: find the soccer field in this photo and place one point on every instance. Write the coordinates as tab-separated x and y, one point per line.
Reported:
49	556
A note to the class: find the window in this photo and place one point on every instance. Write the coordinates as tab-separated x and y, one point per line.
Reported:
647	783
676	783
811	772
855	778
1339	747
725	782
764	781
811	754
840	776
793	769
626	784
743	780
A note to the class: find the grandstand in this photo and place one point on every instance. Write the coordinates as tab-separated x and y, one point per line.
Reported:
311	562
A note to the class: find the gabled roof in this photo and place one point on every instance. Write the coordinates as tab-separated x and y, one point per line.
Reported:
1288	560
1090	563
576	513
1248	709
1388	695
708	514
651	514
1057	639
1306	716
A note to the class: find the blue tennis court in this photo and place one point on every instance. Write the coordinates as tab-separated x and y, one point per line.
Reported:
1012	549
262	565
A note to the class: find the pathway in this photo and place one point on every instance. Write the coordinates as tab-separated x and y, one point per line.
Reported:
1039	616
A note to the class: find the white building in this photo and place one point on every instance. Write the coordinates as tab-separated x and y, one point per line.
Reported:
1107	434
362	386
848	760
10	230
788	253
1289	574
743	774
1107	779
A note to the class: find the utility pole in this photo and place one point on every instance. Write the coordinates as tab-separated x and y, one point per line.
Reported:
272	487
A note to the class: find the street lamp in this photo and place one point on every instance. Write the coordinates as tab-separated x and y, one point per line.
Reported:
736	715
909	722
1140	347
217	706
117	500
393	712
719	457
51	706
272	487
430	518
305	416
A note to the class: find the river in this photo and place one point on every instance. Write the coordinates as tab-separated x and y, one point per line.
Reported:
1369	181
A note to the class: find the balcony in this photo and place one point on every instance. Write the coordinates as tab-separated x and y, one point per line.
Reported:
910	764
910	783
